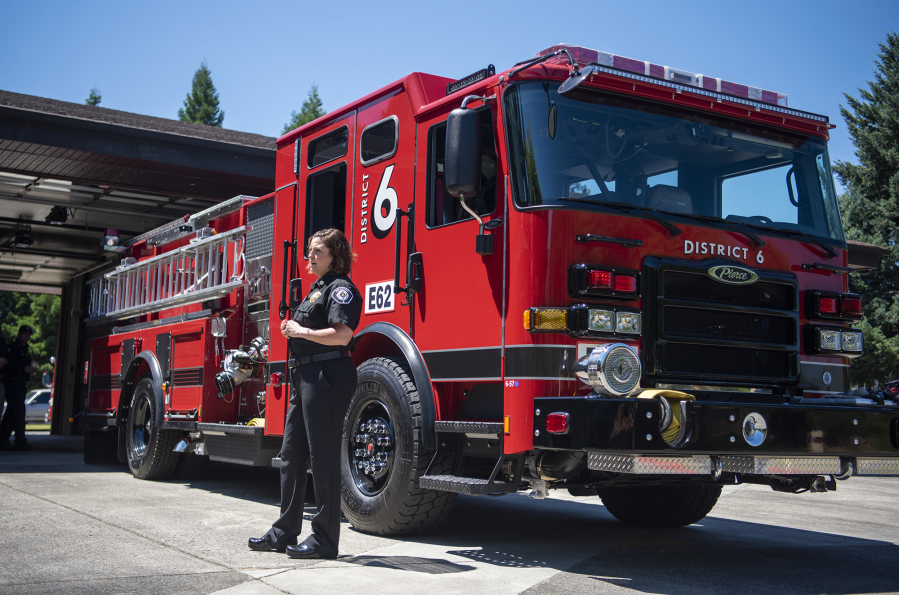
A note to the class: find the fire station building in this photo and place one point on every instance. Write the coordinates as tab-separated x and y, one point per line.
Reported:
75	180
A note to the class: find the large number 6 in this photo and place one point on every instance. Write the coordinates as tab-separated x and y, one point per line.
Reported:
382	223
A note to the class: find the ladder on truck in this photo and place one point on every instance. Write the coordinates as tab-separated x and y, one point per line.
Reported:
205	269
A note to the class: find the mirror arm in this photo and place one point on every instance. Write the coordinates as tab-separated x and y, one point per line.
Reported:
544	59
483	98
471	212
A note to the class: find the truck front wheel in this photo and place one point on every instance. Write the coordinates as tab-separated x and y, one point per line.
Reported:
150	449
383	455
660	505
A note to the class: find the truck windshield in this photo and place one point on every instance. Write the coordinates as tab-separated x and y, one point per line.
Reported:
592	145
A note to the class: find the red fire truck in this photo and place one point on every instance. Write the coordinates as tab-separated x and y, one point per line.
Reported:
587	272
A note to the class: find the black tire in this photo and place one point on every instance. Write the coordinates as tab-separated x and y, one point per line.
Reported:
101	448
388	501
660	506
150	450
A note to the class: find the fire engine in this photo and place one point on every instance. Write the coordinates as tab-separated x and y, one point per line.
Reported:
586	272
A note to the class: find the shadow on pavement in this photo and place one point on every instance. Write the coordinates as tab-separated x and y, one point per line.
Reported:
424	565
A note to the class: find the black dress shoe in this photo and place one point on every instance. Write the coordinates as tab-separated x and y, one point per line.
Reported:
267	544
304	552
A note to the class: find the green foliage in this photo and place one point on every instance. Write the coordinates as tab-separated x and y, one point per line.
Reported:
310	110
41	312
94	98
202	103
870	209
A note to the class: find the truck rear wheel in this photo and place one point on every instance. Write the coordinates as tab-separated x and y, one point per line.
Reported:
383	455
660	505
149	448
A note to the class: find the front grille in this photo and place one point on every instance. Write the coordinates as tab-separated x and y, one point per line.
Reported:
715	360
697	329
699	287
704	323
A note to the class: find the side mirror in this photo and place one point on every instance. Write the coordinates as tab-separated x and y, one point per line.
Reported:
463	152
463	164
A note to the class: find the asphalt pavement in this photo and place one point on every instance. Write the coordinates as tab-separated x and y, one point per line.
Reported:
72	528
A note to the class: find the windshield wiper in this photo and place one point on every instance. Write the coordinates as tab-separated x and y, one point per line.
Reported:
809	238
671	230
755	241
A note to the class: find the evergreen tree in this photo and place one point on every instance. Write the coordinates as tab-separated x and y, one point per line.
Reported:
870	208
310	110
94	98
202	103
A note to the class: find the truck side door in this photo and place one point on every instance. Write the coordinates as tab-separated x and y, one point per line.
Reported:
459	312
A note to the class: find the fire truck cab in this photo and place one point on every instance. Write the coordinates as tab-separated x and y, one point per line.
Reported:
586	272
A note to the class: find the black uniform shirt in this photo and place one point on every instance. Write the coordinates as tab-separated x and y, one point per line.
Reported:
18	360
331	299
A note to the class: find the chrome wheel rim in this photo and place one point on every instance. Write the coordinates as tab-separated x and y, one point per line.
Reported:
371	445
141	426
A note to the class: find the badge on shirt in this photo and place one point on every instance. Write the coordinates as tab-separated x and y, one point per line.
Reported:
342	295
315	296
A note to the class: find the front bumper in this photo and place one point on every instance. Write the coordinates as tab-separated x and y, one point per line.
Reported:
623	436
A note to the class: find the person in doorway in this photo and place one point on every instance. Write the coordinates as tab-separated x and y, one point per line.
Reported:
16	374
324	379
4	359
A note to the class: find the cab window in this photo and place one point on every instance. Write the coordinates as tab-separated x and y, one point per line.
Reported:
328	148
378	141
326	199
442	207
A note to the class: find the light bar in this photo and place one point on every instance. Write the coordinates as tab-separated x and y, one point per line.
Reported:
682	80
471	79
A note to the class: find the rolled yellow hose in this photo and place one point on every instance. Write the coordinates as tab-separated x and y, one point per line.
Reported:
674	398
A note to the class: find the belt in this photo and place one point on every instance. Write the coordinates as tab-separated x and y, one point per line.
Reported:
296	362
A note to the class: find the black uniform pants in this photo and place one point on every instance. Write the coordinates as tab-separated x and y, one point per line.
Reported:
14	418
313	431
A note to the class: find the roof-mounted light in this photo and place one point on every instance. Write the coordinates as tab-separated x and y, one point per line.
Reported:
681	80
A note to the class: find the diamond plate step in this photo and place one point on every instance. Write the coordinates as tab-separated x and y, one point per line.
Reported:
473	429
459	485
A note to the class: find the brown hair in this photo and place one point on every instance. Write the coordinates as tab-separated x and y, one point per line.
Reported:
338	246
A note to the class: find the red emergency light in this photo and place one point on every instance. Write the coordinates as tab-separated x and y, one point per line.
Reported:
851	307
827	305
667	76
625	283
833	306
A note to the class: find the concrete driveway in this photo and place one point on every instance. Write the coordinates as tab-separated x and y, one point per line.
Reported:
72	528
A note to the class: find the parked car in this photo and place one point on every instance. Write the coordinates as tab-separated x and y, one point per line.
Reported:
37	404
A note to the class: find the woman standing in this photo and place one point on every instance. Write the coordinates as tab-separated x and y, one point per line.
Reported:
324	380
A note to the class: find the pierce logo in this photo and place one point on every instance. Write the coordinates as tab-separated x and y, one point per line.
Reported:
733	275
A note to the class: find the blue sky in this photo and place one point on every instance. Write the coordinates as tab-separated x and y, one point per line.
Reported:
265	55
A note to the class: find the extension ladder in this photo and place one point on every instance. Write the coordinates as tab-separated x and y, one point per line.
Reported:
203	270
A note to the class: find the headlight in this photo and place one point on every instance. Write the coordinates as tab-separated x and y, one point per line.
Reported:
833	341
601	320
830	340
612	369
852	341
628	322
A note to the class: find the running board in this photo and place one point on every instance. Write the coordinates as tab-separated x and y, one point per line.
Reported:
464	485
472	439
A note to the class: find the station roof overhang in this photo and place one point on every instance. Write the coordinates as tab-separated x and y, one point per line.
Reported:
99	169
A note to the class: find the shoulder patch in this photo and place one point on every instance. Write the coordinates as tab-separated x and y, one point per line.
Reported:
342	295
